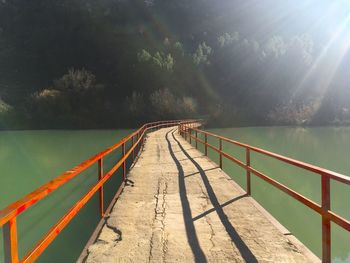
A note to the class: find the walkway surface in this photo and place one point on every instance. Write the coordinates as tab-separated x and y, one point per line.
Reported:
180	207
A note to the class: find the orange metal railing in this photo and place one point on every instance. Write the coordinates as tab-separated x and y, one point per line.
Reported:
190	132
9	214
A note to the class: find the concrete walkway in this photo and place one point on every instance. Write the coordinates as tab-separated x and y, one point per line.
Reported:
180	207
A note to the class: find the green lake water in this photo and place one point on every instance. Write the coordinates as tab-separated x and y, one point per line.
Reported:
29	159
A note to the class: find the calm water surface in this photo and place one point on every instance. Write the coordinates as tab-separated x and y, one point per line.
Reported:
327	147
29	159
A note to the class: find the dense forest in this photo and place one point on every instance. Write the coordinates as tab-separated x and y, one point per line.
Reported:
118	63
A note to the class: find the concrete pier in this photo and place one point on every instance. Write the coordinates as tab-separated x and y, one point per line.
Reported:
179	206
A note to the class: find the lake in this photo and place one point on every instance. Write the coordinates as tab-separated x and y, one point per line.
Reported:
29	159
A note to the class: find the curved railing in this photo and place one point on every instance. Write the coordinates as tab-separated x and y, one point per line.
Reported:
191	133
9	214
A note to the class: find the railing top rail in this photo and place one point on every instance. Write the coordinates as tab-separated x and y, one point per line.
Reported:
312	168
28	200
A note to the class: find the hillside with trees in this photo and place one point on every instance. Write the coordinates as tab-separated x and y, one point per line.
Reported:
119	63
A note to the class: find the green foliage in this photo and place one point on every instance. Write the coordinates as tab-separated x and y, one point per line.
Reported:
144	56
228	39
160	59
290	113
275	47
163	61
77	81
168	62
74	100
164	104
179	48
201	56
4	107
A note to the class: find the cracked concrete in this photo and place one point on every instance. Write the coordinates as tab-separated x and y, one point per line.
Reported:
181	207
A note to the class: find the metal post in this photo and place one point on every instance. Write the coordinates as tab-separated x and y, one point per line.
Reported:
133	151
101	195
137	146
124	163
326	224
220	142
10	241
142	141
206	144
190	133
248	172
196	139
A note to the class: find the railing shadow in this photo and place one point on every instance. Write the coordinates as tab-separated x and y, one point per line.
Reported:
244	250
189	225
223	205
207	170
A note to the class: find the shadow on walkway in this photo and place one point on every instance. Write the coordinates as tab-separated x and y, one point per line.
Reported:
189	225
223	205
245	252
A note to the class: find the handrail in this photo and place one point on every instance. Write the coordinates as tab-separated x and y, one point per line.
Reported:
312	168
323	209
8	215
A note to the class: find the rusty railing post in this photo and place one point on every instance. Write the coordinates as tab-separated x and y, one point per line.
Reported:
220	147
133	150
10	241
206	144
101	194
326	224
196	139
143	140
124	163
139	146
190	134
249	191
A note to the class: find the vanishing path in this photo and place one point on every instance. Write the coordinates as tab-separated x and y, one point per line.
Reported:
178	206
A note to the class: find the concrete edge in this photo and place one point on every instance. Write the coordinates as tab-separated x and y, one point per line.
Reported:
102	222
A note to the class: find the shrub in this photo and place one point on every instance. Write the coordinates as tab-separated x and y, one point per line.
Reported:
188	105
136	104
4	107
293	114
79	81
163	102
166	104
159	59
46	94
201	56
